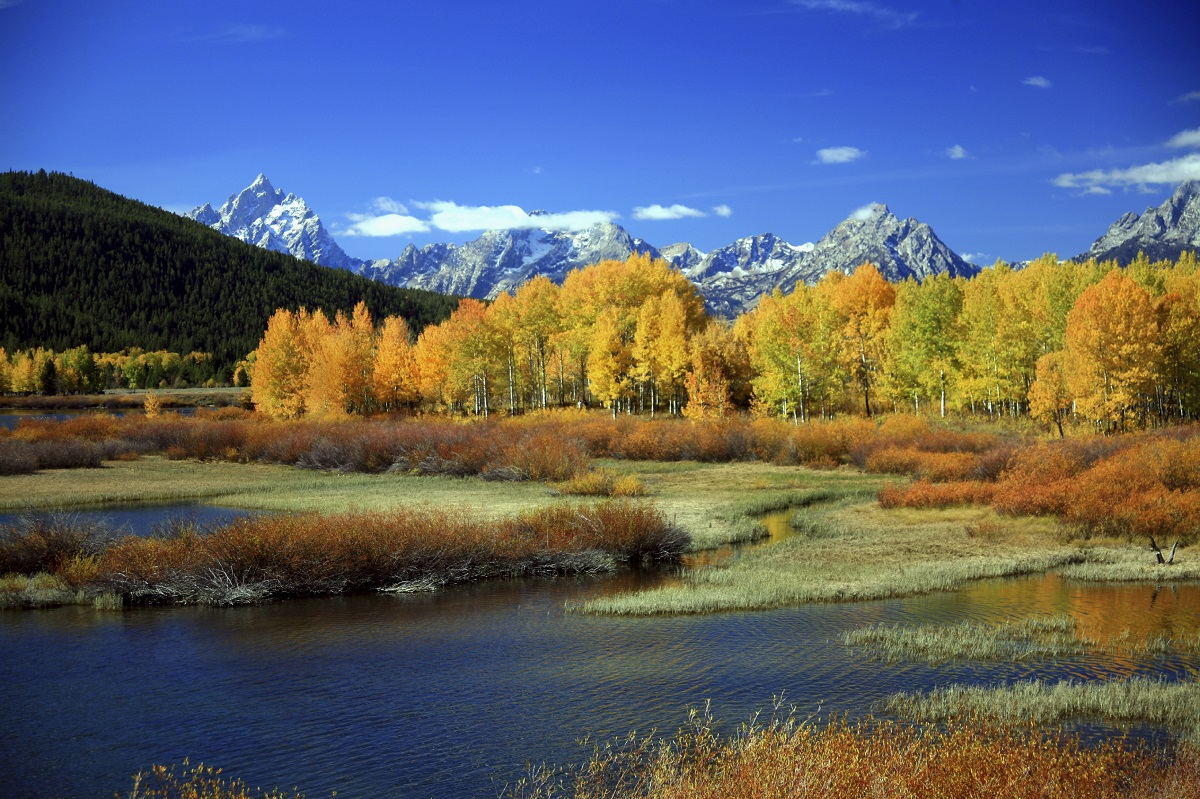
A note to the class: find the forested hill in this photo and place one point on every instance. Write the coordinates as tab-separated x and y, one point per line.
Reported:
82	265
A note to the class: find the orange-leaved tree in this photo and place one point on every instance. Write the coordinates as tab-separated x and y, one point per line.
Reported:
1113	355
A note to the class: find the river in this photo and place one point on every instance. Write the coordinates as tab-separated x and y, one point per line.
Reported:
455	693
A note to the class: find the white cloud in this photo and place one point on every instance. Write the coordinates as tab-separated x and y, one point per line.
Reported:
975	257
957	153
723	211
887	17
455	218
1037	81
1098	181
839	155
865	212
1185	138
384	225
1187	98
658	212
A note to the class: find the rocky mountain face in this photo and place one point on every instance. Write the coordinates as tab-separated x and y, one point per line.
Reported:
1161	233
899	248
731	278
501	260
262	215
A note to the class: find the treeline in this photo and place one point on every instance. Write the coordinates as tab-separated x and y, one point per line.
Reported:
83	266
81	371
1084	342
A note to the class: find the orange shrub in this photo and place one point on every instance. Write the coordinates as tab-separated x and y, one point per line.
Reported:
923	494
256	558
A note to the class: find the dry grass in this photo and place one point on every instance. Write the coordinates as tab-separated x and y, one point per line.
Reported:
839	760
195	782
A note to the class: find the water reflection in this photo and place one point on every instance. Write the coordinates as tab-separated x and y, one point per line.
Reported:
452	693
141	520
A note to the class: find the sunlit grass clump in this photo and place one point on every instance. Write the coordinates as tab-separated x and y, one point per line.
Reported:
603	483
872	758
1042	636
1175	705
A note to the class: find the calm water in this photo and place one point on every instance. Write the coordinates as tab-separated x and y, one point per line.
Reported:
143	519
11	417
452	694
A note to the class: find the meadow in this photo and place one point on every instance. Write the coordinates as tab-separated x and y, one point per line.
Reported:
892	508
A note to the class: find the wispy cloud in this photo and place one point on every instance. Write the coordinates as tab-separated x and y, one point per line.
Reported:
1190	97
1099	181
455	218
389	205
239	34
391	218
1037	81
882	15
957	153
839	155
658	212
1185	138
8	4
723	211
1092	49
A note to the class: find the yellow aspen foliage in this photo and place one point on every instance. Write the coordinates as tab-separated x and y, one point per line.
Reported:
609	361
1050	398
431	356
864	303
277	384
712	374
394	381
1113	355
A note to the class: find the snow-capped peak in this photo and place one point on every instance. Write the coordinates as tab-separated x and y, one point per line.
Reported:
262	215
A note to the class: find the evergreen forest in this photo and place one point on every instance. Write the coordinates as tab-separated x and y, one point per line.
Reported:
80	265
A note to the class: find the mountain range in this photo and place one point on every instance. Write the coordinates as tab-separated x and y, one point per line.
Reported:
730	278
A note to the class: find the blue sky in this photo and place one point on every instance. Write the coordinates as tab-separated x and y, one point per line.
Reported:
1013	128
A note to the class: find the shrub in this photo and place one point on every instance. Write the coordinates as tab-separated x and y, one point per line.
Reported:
49	543
253	559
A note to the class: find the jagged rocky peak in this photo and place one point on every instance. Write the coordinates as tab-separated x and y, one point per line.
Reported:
1162	233
682	256
263	215
899	248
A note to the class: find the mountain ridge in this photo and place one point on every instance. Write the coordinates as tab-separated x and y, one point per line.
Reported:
1161	233
730	278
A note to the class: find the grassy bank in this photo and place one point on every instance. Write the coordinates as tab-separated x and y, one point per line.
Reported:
851	550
